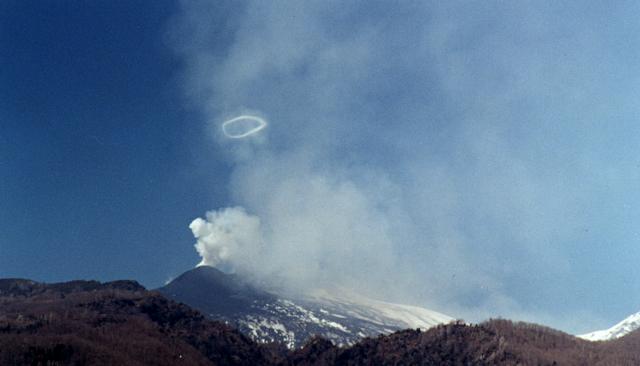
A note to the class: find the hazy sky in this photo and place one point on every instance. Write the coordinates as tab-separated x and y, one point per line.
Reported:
478	158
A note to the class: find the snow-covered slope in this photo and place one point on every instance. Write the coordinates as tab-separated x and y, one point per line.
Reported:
625	327
360	307
340	316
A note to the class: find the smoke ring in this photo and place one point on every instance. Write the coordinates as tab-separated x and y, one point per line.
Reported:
260	126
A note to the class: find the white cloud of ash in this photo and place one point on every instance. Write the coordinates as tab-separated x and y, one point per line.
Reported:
226	236
419	152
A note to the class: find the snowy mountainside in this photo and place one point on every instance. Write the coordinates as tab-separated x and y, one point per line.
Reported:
625	327
360	307
342	317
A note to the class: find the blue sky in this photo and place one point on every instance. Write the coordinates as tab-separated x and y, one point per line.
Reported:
99	175
478	158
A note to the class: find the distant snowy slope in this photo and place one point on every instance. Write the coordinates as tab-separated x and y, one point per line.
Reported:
625	327
360	307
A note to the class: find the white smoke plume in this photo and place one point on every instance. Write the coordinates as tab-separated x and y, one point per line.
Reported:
431	152
313	228
226	235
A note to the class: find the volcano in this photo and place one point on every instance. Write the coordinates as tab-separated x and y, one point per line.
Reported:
338	315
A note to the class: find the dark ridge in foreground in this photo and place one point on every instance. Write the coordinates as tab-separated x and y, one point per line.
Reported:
115	323
121	323
496	342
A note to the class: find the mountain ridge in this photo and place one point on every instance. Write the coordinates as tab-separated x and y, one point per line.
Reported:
119	322
93	323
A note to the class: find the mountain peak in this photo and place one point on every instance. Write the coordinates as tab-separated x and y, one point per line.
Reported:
205	275
212	291
340	316
625	327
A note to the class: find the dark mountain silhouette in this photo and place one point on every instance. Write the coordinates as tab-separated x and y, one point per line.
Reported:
121	323
496	342
115	323
220	295
454	344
